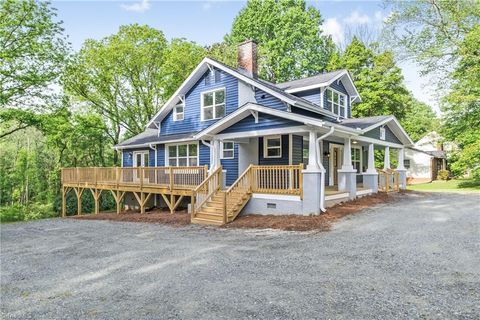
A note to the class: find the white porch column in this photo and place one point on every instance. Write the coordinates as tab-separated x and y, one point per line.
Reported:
401	169
347	155
386	159
371	159
312	151
370	177
400	159
347	175
216	154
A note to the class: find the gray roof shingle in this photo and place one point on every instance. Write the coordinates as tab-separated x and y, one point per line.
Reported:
319	78
151	136
363	123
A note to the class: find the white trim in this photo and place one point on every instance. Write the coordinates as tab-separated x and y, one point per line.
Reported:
361	158
364	192
261	133
121	158
134	146
266	147
386	122
213	106
275	197
345	104
167	156
290	149
383	133
379	142
222	157
337	196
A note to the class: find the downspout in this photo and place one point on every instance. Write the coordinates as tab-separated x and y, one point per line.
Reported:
209	145
322	169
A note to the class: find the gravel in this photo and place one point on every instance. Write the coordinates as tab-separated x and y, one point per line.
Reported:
417	258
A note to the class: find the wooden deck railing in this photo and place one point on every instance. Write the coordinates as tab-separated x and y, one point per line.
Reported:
388	180
204	191
282	179
164	177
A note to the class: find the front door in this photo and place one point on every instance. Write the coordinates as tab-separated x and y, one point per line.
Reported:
335	163
140	159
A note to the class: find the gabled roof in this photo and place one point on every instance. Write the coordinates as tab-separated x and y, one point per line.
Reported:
322	80
266	86
369	123
150	136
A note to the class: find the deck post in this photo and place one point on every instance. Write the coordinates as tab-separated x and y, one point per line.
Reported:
64	202
171	178
79	192
142	202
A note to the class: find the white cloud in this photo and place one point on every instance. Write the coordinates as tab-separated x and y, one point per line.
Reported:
357	18
332	27
141	6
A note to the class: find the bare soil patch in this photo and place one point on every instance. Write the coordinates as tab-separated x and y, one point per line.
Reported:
179	218
321	222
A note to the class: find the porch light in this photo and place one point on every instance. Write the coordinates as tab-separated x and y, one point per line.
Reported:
326	154
354	141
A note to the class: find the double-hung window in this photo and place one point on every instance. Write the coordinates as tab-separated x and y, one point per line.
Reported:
357	159
182	155
213	104
272	147
227	150
337	102
178	112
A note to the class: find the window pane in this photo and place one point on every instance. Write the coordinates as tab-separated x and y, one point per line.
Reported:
182	162
193	161
179	109
208	99
342	100
273	152
228	153
273	142
335	108
342	111
182	150
329	95
172	162
220	111
208	113
227	145
219	97
192	150
172	151
139	160
145	163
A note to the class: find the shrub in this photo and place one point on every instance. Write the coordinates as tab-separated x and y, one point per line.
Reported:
33	211
443	175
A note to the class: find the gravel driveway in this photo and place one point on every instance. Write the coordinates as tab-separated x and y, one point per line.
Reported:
418	258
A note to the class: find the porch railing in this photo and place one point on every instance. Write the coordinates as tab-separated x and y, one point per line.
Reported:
206	190
388	180
282	179
164	177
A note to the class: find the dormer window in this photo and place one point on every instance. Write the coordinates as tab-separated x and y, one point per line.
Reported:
178	114
213	104
337	102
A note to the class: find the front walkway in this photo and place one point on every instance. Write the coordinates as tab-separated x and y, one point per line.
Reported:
415	259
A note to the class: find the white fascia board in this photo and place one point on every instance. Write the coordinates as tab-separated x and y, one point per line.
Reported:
397	129
261	133
379	142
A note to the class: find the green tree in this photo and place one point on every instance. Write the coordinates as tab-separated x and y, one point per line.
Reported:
461	106
290	42
377	78
419	119
431	31
33	51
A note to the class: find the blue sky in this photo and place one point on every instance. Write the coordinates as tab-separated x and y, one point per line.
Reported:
206	22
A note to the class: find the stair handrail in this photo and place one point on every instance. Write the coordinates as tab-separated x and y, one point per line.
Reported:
216	174
246	175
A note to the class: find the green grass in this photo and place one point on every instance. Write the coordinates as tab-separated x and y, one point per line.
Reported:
455	185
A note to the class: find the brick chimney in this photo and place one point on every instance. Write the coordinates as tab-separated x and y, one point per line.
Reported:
247	57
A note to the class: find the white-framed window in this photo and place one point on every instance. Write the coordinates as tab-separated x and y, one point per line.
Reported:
357	159
182	155
336	102
382	133
213	104
178	112
406	163
228	150
272	147
140	158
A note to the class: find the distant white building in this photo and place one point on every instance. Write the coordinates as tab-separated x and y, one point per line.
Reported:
425	158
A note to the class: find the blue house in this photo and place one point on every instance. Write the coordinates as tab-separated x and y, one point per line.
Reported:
295	142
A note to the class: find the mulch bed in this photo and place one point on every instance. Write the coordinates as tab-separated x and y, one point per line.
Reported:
321	222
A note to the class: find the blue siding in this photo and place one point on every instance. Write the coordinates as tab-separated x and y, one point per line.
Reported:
297	149
204	154
161	155
310	95
389	135
265	121
273	161
340	88
326	161
312	114
128	156
268	100
231	165
192	119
